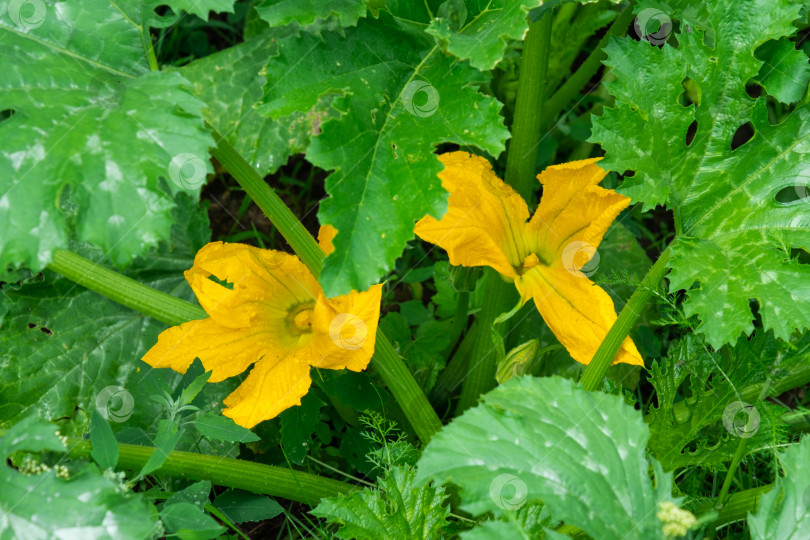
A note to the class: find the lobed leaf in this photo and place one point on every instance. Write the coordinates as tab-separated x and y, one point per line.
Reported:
398	96
737	234
548	440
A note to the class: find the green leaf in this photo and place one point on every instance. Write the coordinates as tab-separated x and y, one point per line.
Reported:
92	134
92	359
230	84
548	440
421	349
189	522
87	502
786	71
104	446
31	434
483	36
165	441
735	233
241	506
197	494
398	510
399	96
221	428
297	426
188	393
315	15
782	513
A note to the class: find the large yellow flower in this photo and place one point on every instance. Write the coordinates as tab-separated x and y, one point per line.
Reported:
487	224
268	310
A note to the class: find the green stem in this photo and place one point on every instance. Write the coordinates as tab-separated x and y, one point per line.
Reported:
386	361
737	506
521	163
571	88
595	371
126	291
222	471
498	298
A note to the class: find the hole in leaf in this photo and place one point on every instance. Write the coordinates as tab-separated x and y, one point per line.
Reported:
800	255
690	132
743	134
162	10
754	305
691	93
791	194
753	89
31	325
6	114
46	331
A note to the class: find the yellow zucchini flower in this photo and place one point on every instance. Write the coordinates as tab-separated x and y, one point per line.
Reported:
487	224
267	310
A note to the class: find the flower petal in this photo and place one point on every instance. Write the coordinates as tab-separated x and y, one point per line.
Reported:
578	312
223	351
266	283
485	218
345	330
271	388
326	234
574	210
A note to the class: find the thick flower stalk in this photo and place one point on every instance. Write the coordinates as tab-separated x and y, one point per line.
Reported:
267	310
487	224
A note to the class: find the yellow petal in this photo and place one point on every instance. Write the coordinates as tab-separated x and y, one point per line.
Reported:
345	330
576	310
485	219
224	351
271	387
326	234
574	212
266	283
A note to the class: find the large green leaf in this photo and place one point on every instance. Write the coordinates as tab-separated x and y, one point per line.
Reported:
65	350
90	130
399	96
44	506
783	512
548	440
736	235
230	84
399	510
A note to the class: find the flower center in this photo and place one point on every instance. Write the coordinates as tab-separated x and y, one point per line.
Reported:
529	262
299	319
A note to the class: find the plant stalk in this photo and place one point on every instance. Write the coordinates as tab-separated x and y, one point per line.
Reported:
126	291
521	163
595	371
258	478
